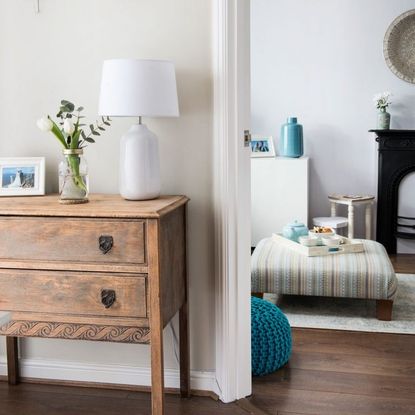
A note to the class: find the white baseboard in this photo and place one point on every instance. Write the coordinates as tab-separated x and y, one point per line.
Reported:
115	374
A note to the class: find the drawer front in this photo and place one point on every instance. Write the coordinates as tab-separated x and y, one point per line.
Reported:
73	293
75	240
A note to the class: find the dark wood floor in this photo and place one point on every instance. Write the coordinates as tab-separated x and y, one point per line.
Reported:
32	399
330	373
403	263
342	373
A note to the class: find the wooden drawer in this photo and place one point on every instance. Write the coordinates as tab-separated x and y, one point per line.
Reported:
72	293
72	240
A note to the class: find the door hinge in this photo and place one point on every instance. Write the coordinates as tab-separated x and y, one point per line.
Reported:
247	138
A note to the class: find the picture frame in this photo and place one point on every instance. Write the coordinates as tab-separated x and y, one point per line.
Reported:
22	176
262	146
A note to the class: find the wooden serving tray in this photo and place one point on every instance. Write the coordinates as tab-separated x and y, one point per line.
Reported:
349	246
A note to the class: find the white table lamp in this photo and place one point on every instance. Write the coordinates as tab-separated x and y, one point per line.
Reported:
139	88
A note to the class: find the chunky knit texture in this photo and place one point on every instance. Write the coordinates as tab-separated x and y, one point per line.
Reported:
270	337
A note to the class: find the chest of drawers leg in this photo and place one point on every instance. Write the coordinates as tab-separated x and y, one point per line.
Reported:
12	360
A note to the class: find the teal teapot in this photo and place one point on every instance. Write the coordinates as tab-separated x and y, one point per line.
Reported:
294	230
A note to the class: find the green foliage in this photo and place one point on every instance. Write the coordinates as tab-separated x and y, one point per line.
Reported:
79	138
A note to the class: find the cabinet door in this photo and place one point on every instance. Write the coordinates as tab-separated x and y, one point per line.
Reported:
279	192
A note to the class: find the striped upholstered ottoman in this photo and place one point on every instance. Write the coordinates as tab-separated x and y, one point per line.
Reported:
367	275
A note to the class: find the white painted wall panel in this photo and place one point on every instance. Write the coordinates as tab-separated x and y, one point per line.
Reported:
279	190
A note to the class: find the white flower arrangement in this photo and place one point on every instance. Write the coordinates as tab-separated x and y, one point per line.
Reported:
381	101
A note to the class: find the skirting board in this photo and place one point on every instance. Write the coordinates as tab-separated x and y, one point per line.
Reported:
111	374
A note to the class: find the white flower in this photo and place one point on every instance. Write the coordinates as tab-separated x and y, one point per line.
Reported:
45	124
377	97
381	100
68	126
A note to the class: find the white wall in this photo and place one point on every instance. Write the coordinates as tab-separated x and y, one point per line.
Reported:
58	54
322	61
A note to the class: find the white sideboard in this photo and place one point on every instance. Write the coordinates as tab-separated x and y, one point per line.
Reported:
279	194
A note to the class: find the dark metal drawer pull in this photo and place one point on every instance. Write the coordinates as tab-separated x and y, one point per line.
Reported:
105	243
108	298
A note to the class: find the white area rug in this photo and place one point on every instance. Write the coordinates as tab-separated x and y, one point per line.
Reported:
350	314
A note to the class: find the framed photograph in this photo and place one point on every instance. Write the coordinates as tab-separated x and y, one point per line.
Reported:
22	176
262	146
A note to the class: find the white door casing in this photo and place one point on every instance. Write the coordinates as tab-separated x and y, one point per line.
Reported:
231	48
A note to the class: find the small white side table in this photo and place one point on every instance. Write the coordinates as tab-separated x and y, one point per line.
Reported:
351	202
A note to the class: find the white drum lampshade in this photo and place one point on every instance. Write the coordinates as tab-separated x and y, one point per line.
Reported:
139	88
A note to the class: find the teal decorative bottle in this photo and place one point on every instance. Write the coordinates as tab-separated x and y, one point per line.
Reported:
291	140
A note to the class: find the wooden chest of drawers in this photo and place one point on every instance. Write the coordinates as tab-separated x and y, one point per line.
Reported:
110	270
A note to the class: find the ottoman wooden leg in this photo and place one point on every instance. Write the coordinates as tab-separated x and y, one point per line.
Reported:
259	295
384	310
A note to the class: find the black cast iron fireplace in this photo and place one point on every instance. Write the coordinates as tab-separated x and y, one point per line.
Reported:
396	160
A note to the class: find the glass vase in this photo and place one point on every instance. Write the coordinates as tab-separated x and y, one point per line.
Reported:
384	120
73	177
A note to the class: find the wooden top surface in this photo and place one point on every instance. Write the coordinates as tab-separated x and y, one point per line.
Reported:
351	198
100	205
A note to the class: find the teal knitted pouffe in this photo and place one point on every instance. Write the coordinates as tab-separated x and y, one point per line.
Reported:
270	337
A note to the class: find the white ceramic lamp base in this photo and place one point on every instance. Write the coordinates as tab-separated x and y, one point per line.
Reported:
139	164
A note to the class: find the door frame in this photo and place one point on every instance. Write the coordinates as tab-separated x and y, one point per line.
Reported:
231	169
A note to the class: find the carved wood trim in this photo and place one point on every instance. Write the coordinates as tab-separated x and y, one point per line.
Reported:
76	331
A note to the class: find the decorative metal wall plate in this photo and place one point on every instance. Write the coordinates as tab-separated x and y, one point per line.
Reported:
399	46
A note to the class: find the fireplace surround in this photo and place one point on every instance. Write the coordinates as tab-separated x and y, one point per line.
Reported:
396	160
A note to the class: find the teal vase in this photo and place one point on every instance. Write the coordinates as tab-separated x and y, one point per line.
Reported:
291	140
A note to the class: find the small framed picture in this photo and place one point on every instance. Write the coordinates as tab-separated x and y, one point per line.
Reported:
22	176
262	146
